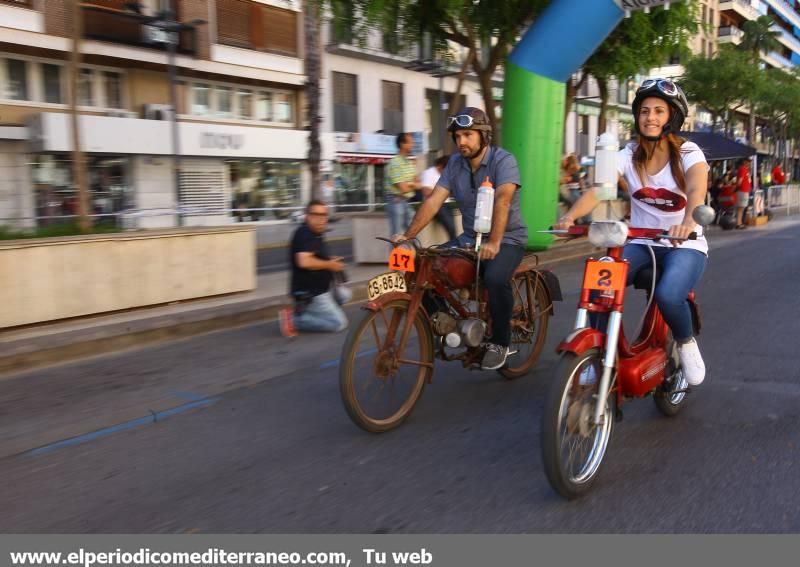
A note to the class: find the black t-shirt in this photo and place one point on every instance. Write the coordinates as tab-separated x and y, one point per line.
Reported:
315	282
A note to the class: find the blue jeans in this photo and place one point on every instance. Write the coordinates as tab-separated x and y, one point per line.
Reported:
399	212
496	278
680	270
322	315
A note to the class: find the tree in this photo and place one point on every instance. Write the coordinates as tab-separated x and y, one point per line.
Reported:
758	38
487	28
311	15
721	84
78	164
776	100
639	43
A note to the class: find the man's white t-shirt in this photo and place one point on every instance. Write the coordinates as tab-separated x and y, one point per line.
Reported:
660	203
429	177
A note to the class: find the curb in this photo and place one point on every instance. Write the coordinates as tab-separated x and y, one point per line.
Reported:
68	346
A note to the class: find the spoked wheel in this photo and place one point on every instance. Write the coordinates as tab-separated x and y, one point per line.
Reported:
670	396
380	385
529	320
573	447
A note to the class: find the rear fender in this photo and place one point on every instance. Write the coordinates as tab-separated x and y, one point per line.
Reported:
551	283
581	340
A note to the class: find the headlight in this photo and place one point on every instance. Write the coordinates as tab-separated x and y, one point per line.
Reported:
608	234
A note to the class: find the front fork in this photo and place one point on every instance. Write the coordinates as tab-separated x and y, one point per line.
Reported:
609	358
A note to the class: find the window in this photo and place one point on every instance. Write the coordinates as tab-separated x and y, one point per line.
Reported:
201	99
703	11
703	47
112	84
345	102
244	99
392	107
711	16
85	94
16	79
224	102
264	107
51	83
254	25
282	107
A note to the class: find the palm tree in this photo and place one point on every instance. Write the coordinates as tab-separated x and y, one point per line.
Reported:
311	15
78	165
758	38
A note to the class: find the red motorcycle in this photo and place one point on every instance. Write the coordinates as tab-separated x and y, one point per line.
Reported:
431	305
599	368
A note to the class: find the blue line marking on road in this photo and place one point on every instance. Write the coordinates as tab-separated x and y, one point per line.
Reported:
125	426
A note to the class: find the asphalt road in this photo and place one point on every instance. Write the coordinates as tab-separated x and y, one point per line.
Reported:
246	433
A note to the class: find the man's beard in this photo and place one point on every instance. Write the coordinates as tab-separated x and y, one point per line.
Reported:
473	155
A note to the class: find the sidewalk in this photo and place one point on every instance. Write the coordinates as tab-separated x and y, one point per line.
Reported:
58	342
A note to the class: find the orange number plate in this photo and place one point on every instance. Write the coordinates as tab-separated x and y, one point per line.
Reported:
402	259
605	276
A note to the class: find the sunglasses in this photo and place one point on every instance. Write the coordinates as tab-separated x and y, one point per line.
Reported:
317	214
665	86
461	120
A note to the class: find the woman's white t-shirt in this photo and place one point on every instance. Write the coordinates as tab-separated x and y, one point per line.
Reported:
660	203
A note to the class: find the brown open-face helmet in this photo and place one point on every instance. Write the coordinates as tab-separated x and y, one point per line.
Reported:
471	118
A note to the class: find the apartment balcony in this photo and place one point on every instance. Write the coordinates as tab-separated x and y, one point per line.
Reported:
789	40
777	60
730	34
740	9
118	26
21	15
787	11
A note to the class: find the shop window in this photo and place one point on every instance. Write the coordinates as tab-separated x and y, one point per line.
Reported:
263	189
350	186
345	102
201	100
85	88
113	89
51	83
16	80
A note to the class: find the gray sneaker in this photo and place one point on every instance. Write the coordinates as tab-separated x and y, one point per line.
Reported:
494	357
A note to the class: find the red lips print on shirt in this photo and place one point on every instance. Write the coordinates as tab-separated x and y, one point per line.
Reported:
661	198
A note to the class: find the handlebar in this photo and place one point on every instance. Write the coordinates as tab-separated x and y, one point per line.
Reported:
633	233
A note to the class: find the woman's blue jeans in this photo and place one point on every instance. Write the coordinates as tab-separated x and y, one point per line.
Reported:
680	270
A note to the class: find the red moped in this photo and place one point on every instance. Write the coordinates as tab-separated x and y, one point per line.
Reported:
599	368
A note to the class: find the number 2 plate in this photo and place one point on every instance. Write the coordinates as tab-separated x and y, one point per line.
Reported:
605	276
385	283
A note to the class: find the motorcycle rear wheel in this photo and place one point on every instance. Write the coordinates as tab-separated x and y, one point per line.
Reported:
669	403
529	320
573	448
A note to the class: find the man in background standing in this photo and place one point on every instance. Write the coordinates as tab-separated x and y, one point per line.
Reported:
743	186
400	185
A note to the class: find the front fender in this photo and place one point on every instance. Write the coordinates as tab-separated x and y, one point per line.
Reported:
379	303
582	340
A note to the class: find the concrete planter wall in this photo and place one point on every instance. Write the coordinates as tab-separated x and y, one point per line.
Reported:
57	278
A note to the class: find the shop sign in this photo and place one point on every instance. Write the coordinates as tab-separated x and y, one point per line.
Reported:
212	140
642	4
368	160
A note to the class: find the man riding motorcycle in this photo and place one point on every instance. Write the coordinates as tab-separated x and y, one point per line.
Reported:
502	252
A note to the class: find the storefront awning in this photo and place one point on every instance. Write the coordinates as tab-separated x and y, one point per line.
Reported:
372	159
717	146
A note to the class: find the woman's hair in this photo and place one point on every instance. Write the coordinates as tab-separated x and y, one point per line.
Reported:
644	151
571	164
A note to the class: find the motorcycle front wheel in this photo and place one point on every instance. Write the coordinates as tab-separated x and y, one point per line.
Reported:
573	448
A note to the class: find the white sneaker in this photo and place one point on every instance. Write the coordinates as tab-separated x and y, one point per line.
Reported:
694	369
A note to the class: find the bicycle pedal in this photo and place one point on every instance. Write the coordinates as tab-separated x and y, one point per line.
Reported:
512	352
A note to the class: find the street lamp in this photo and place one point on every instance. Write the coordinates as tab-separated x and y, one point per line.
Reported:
164	29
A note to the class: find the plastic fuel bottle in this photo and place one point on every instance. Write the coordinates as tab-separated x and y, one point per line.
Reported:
484	207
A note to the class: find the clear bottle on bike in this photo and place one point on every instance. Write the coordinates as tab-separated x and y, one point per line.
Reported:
484	207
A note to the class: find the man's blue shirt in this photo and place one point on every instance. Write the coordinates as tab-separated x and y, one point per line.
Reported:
501	167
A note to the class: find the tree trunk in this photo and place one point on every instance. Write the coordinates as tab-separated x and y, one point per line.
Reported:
78	164
602	85
485	80
751	126
312	69
454	104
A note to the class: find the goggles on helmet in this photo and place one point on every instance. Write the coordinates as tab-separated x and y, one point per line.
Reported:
665	86
461	120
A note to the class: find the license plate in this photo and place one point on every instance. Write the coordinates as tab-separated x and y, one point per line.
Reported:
385	283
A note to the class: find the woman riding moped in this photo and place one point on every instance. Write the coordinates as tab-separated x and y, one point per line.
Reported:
667	179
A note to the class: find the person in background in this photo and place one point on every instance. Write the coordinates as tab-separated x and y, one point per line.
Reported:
401	185
317	298
778	176
743	186
428	182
